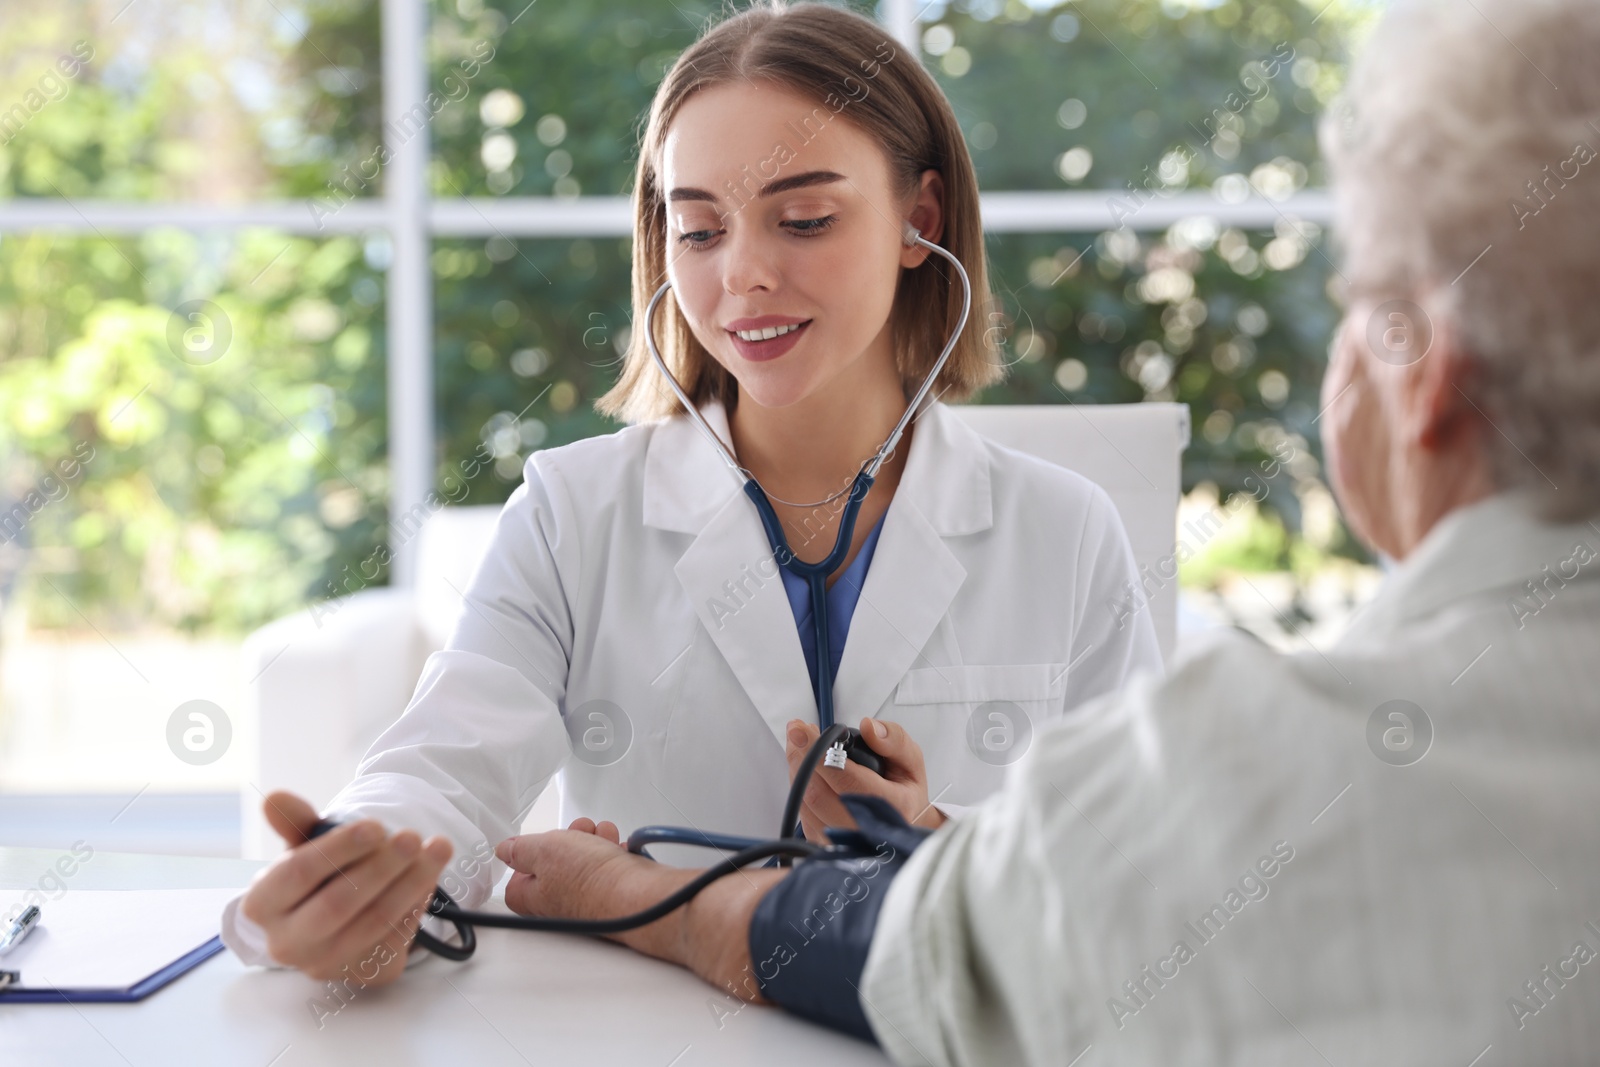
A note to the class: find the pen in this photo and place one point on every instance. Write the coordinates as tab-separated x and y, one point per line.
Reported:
20	928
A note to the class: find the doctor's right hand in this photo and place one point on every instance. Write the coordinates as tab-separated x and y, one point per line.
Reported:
353	897
904	782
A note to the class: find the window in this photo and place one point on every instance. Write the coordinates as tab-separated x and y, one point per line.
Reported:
279	268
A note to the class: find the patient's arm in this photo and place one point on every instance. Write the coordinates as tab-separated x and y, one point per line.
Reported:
797	938
583	873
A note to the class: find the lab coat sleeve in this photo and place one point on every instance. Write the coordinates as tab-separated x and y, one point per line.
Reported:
1113	634
248	940
245	937
482	734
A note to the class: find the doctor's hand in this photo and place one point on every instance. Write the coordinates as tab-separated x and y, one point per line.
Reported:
352	898
904	782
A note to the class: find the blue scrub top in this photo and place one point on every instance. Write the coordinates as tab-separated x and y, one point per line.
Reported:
842	597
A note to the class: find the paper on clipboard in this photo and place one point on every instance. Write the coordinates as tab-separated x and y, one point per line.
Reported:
110	938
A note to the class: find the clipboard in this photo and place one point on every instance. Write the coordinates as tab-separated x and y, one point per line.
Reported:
138	991
97	946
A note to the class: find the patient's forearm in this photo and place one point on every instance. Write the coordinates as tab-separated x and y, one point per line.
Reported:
811	928
715	931
710	934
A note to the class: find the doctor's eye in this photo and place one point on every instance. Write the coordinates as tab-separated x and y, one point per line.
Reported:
812	227
702	239
698	238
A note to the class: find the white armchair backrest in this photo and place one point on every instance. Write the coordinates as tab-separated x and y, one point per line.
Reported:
449	546
1132	451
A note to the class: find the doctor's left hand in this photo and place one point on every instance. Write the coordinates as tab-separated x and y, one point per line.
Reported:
904	782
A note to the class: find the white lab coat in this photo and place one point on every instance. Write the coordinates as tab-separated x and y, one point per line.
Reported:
1393	913
629	591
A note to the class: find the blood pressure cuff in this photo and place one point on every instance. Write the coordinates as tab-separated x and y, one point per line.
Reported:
810	934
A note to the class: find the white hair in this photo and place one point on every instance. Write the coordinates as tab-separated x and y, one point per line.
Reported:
1465	156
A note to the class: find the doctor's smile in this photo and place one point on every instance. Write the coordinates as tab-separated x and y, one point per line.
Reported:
766	336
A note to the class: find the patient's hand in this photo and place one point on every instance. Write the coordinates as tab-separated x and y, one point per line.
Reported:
904	782
606	829
578	873
583	873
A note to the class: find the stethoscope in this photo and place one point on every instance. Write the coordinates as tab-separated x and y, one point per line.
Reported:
835	744
816	574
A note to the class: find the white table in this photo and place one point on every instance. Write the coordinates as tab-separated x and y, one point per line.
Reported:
524	999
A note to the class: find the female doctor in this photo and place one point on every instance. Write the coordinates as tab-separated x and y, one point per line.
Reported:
629	625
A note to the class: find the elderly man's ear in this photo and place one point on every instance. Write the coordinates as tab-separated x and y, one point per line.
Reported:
1440	416
1446	431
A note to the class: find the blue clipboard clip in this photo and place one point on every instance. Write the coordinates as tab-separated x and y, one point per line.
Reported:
11	994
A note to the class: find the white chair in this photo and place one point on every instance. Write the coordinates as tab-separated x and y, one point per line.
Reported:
1132	451
323	683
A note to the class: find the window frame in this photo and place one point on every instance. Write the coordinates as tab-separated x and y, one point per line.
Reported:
411	219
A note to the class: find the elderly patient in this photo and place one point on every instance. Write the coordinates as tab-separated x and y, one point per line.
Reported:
1386	850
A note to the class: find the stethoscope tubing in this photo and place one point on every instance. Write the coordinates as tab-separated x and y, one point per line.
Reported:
786	847
465	920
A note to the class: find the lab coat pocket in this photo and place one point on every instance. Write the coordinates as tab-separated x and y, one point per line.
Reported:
973	721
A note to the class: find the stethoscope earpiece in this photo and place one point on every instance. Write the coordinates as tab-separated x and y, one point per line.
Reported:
909	235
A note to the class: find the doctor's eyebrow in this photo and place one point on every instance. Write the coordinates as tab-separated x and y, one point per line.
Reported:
772	188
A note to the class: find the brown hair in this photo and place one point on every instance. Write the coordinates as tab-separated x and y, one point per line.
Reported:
818	52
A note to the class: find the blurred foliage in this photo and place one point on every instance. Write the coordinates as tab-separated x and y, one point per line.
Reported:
222	494
251	102
235	449
516	372
1256	542
1028	87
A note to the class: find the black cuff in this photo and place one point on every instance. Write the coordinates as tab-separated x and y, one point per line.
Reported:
810	935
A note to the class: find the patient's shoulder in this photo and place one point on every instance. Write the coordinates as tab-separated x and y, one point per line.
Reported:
1229	684
1215	656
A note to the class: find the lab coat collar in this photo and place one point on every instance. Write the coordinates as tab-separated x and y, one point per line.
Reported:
947	473
1489	548
731	579
685	481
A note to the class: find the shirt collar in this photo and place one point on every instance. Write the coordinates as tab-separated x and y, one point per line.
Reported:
1492	547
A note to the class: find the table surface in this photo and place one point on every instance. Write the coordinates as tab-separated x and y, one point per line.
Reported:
525	998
